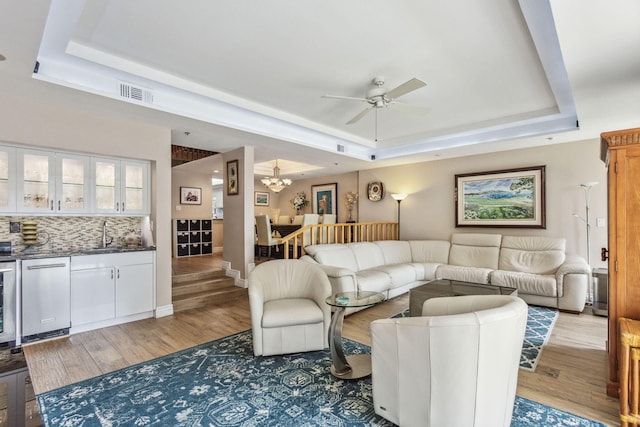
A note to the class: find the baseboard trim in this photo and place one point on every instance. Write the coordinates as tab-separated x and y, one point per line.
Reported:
165	310
235	274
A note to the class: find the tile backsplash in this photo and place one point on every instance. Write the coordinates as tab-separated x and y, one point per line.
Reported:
59	233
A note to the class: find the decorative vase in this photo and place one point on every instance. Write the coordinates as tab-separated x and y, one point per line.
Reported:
298	211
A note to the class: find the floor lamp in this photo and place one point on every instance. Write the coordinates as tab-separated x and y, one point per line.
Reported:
587	189
399	197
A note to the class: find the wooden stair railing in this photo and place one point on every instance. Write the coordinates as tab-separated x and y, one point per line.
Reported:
315	234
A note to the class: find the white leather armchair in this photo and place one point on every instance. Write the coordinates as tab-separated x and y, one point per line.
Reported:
288	309
457	365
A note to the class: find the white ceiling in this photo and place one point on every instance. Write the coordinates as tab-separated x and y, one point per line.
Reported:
500	75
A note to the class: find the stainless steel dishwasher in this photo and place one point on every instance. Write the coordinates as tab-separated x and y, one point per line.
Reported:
46	298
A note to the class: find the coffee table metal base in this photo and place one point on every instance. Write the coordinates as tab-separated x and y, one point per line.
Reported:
345	367
359	366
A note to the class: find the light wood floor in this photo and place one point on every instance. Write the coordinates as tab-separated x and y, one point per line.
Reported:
571	374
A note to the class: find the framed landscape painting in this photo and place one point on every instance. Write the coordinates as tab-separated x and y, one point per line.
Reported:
324	198
261	198
505	198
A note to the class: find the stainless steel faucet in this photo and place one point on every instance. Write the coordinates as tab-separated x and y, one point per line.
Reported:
106	241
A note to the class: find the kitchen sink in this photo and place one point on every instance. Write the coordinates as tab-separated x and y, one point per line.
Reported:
101	250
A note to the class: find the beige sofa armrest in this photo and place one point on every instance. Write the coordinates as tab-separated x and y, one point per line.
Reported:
573	264
342	279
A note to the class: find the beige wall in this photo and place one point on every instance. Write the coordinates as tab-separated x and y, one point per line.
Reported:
429	211
182	178
40	125
346	182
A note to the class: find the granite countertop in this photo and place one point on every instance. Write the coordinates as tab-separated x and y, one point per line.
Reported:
75	252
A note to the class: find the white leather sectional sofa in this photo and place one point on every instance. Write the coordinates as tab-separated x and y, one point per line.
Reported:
537	267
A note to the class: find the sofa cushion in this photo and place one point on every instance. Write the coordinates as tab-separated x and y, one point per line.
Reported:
336	255
373	280
526	283
394	251
399	274
367	255
464	274
291	311
425	270
532	254
475	250
430	251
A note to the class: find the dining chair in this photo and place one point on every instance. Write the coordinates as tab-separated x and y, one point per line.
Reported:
284	220
265	239
327	232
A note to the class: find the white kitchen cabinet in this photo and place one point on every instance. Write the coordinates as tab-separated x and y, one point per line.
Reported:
7	179
52	183
134	289
93	295
72	183
120	186
36	181
108	289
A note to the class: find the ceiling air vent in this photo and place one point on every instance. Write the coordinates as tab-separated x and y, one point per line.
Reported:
136	93
340	148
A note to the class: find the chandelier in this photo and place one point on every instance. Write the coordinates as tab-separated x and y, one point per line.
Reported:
274	183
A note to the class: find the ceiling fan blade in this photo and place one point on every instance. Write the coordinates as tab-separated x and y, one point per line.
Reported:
406	87
360	115
410	108
345	97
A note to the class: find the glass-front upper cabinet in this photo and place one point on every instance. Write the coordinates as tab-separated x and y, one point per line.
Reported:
36	181
51	183
72	183
121	186
7	179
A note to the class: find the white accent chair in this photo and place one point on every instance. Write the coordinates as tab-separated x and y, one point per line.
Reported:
265	239
457	365
288	309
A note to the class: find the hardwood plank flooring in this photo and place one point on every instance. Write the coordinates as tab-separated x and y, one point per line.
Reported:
571	374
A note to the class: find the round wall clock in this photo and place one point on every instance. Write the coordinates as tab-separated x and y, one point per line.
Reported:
375	191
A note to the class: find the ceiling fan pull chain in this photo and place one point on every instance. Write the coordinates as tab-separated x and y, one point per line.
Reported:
376	126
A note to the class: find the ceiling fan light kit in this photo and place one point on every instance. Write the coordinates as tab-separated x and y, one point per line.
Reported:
274	183
378	97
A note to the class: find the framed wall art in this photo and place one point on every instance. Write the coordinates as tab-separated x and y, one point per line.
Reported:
324	198
261	198
190	196
505	198
232	178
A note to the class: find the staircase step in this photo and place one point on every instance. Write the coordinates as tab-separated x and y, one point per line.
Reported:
212	274
202	285
206	298
201	289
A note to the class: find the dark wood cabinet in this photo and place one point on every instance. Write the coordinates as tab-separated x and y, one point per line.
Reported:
621	152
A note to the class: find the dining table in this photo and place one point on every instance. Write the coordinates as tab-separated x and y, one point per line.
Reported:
284	229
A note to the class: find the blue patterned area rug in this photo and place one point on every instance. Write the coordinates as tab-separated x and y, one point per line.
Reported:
540	322
221	383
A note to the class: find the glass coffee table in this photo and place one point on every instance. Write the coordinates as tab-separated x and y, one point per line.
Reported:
450	288
357	365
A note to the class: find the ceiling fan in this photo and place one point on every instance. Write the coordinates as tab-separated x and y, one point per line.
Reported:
379	97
